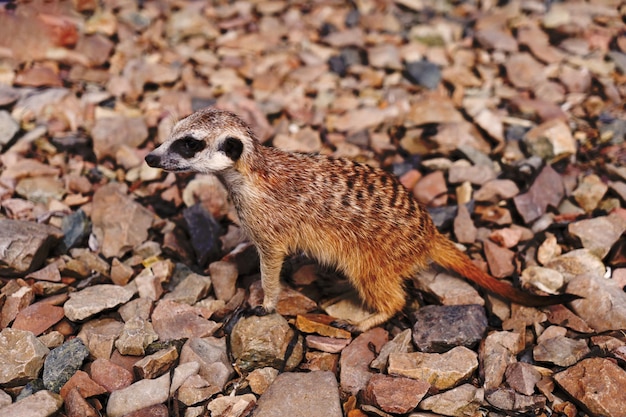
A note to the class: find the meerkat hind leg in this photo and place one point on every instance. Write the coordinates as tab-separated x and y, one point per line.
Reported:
270	281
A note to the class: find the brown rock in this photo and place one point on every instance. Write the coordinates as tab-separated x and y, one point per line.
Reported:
589	192
561	351
448	289
318	324
464	228
431	190
86	386
498	351
356	358
394	394
260	379
100	335
109	375
38	317
460	401
501	260
523	71
155	365
173	321
27	245
21	357
196	389
41	403
111	132
598	384
509	400
92	300
16	300
327	344
210	353
224	277
522	377
547	190
77	406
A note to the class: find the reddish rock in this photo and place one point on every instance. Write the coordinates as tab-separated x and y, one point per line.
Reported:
396	395
77	406
38	317
501	260
109	375
356	358
86	386
432	190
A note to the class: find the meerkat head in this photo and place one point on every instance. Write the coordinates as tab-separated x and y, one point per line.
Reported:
208	141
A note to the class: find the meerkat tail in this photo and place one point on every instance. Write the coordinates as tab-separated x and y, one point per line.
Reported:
446	254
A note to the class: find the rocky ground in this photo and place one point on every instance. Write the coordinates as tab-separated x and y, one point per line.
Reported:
124	289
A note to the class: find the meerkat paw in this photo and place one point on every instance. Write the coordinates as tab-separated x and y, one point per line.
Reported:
346	325
258	311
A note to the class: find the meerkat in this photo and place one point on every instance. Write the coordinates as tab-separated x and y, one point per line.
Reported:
354	217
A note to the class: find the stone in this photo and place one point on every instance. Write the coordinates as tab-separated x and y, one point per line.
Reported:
603	307
62	363
172	321
119	223
577	262
21	357
384	56
562	316
109	375
509	400
190	290
99	336
261	378
326	344
561	351
597	384
289	395
77	406
476	174
589	192
447	289
211	354
464	228
109	133
8	127
141	394
264	341
319	324
522	377
441	328
441	370
232	406
461	401
195	389
548	250
86	386
599	244
95	299
25	245
424	73
356	358
136	335
551	139
16	300
547	190
41	190
545	279
431	190
208	191
507	237
496	190
40	404
290	302
157	364
523	71
181	373
204	233
224	278
396	395
498	351
501	260
400	344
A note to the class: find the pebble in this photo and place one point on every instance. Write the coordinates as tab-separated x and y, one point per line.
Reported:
326	344
204	232
561	351
441	370
257	342
77	406
496	190
551	139
548	250
190	290
290	395
577	262
21	357
523	71
62	363
464	228
612	226
27	245
157	364
424	73
172	321
290	302
99	336
110	133
463	400
399	344
431	190
448	289
356	358
109	375
522	377
498	351
509	400
136	335
181	373
16	299
475	174
589	192
8	127
547	190
441	328
395	395
598	384
141	394
507	237
40	404
195	389
86	386
224	279
211	354
501	260
232	406
261	378
545	279
604	305
319	324
95	299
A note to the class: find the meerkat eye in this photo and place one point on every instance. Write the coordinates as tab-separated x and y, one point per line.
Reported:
188	146
232	147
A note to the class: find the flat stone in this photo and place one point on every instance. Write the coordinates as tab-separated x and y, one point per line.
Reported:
263	341
211	354
232	406
577	262
40	404
16	300
496	190
38	317
463	400
424	73
41	190
110	133
172	321
434	110
551	139
545	279
157	364
561	351
356	358
547	190
499	350
493	38
290	302
62	363
589	192
289	395
441	328
181	373
109	375
141	394
326	344
396	395
260	379
99	336
501	260
190	290
448	289
119	222
400	344
603	307
612	226
562	316
24	245
598	384
318	324
95	299
86	386
509	400
21	357
195	389
136	335
441	370
522	377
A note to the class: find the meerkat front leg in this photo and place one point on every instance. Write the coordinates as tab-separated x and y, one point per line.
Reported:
271	265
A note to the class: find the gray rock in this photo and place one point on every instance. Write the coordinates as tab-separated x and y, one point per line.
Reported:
461	401
440	328
191	289
40	404
141	394
21	357
93	300
257	342
62	363
612	227
25	245
211	354
508	400
447	288
424	73
290	395
441	370
400	344
76	227
8	127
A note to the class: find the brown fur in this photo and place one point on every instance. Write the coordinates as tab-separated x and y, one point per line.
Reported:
354	217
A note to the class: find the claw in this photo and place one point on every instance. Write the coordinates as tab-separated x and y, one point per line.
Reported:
346	325
258	311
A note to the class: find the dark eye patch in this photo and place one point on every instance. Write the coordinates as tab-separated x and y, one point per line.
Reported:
232	147
188	146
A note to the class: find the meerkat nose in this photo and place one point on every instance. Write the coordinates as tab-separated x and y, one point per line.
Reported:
153	160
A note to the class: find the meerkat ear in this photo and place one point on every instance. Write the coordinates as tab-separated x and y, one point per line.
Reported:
232	147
